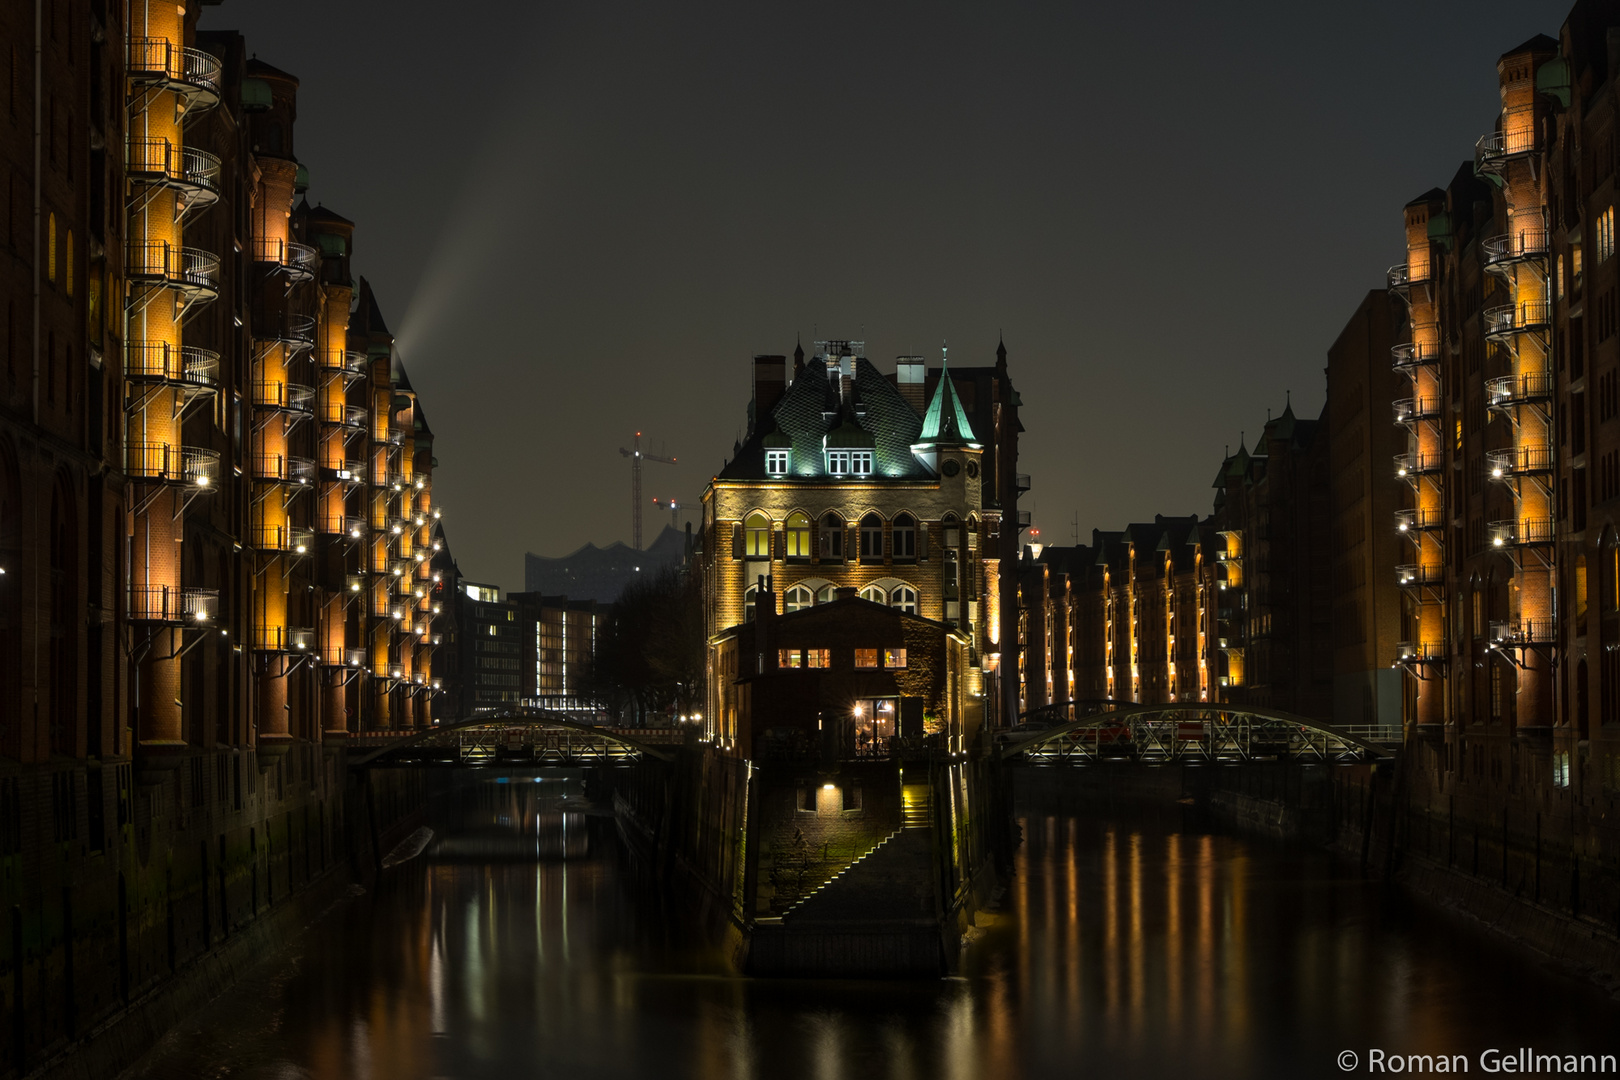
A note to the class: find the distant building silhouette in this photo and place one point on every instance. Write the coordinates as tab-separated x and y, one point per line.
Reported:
602	573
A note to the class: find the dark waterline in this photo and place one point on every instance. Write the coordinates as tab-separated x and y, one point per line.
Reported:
1134	944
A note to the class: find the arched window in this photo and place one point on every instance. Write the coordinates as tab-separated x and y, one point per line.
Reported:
953	534
750	595
904	597
824	595
903	538
797	599
871	538
798	535
875	594
50	250
757	536
832	537
67	265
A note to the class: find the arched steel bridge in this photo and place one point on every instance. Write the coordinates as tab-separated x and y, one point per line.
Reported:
1188	732
519	736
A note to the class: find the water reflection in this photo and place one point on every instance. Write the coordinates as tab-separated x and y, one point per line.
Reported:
1134	944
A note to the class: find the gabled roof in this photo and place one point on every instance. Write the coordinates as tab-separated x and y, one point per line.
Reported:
320	214
1539	43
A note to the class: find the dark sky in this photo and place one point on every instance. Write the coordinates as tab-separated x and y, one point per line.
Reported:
582	219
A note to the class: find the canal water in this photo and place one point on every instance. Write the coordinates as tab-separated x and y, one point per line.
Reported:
522	944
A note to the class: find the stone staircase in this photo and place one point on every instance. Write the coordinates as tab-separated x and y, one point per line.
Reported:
892	881
917	805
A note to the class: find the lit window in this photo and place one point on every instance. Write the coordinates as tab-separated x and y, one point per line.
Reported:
875	594
797	599
871	538
818	658
838	462
904	597
50	249
904	539
894	658
798	535
776	462
757	536
832	537
866	658
788	658
1605	234
860	462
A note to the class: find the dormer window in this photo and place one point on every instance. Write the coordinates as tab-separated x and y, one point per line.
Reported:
776	462
860	462
838	462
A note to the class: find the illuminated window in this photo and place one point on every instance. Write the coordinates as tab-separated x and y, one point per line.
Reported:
818	658
894	658
866	658
776	462
871	538
50	249
904	597
797	599
832	537
757	536
875	594
838	462
798	535
904	538
789	658
860	462
1605	234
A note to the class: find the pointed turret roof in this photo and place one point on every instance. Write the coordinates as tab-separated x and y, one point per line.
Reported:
946	421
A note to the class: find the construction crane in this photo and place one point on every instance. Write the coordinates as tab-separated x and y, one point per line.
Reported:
674	509
636	458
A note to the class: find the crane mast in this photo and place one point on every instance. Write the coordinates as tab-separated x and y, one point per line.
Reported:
636	457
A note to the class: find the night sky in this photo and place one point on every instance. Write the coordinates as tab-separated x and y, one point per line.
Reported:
583	219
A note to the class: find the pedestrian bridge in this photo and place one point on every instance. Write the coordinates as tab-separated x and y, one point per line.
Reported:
1091	732
518	736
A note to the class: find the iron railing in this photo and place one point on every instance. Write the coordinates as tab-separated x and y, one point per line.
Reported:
158	59
1412	575
1518	461
1534	631
1509	319
1526	531
170	464
1410	410
283	468
1418	519
183	267
1517	389
181	365
172	604
1412	354
284	397
1417	463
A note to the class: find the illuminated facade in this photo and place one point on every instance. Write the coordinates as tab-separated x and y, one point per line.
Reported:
849	479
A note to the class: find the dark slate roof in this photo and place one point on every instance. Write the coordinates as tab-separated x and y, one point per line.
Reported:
258	69
811	409
1433	195
319	213
371	320
1539	43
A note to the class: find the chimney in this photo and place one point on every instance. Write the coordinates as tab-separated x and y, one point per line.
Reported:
910	374
770	383
764	618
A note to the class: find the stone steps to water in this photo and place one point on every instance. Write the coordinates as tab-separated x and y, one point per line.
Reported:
892	881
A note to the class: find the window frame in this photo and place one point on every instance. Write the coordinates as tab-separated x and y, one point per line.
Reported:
838	462
903	538
871	534
777	462
796	536
789	604
860	462
756	538
873	655
901	602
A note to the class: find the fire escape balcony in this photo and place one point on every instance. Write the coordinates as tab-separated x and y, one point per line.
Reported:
1509	390
1419	575
191	74
184	367
393	481
284	397
287	639
192	272
351	365
1412	465
1418	521
283	469
288	538
1021	482
1518	461
344	658
392	436
1493	152
343	525
1520	533
1522	245
1508	320
298	261
192	174
164	463
1514	632
1411	410
1410	354
348	472
1023	519
341	414
1400	280
297	332
1420	652
174	605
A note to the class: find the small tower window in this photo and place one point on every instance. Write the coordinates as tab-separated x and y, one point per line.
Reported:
838	462
776	462
757	536
798	535
860	463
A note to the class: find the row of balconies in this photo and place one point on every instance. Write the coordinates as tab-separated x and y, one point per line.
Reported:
1528	460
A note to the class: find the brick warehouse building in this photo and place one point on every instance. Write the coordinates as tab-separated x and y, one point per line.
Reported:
901	487
215	510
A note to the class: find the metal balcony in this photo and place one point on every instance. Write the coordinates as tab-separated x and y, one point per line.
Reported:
1400	280
1521	318
1523	632
1412	465
1519	533
341	414
1420	652
1418	520
1518	246
393	481
296	331
172	604
298	261
191	74
1492	152
165	463
1416	575
1410	354
350	364
284	397
1023	519
1509	390
1411	410
288	538
193	174
184	366
354	528
1522	461
283	469
191	271
287	639
349	658
1021	482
